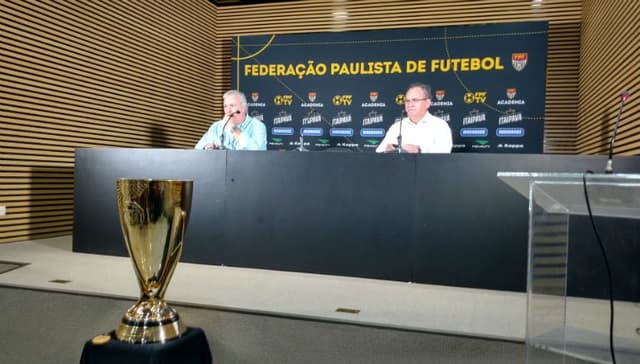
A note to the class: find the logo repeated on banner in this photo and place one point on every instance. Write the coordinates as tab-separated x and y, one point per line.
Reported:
478	97
510	116
519	61
312	117
257	115
255	98
345	90
441	100
283	117
373	101
342	100
511	98
442	115
312	97
283	100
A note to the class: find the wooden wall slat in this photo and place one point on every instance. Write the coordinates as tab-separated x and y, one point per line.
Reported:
94	74
609	51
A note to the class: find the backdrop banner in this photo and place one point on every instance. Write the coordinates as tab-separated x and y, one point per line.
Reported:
343	90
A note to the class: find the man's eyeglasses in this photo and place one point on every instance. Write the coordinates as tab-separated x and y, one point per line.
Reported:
414	101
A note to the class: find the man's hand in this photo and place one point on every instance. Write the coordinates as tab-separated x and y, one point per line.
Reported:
210	146
236	131
411	148
390	147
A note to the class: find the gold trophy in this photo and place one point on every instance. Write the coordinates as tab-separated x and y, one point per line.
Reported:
153	216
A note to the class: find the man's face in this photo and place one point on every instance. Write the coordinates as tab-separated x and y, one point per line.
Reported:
232	104
416	104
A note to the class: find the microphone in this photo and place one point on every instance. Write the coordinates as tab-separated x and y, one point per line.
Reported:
623	97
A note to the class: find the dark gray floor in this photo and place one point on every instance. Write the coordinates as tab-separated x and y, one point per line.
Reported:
50	327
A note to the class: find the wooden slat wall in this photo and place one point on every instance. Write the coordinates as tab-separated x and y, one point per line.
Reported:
94	74
609	65
148	73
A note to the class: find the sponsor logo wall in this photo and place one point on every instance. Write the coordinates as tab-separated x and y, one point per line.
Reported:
344	90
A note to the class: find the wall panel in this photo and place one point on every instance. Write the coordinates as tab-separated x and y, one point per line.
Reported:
610	50
94	74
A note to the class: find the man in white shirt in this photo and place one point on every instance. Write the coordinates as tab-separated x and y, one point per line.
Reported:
419	132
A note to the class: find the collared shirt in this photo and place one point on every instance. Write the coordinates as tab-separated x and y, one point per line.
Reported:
431	134
253	136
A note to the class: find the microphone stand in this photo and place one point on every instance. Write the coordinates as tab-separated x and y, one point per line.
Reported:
224	127
221	146
301	148
609	168
400	150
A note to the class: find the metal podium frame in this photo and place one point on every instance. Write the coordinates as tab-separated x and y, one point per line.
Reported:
559	326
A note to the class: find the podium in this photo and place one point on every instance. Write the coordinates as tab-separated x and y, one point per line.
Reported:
560	326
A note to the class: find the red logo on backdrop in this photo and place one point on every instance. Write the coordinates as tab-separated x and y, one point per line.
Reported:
312	96
255	96
519	61
511	93
373	96
440	95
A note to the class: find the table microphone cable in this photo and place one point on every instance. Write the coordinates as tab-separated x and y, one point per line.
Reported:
606	263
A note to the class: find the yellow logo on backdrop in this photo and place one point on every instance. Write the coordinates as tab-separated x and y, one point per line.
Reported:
283	100
478	97
340	100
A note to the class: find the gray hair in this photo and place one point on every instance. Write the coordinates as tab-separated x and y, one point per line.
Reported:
240	94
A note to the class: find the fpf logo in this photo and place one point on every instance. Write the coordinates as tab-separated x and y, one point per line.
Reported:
400	99
281	100
478	97
339	100
519	61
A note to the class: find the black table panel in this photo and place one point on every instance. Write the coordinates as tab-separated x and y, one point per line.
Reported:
437	219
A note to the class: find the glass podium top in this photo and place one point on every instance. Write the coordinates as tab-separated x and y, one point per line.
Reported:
613	195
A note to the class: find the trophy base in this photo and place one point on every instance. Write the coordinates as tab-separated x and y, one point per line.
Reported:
150	321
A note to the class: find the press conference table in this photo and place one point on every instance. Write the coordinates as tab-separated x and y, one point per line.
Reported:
434	219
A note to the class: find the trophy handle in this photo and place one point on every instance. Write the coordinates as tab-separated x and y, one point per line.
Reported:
177	234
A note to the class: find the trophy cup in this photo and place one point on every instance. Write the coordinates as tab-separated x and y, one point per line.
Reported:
153	216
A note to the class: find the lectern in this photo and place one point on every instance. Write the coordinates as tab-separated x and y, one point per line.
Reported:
558	325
